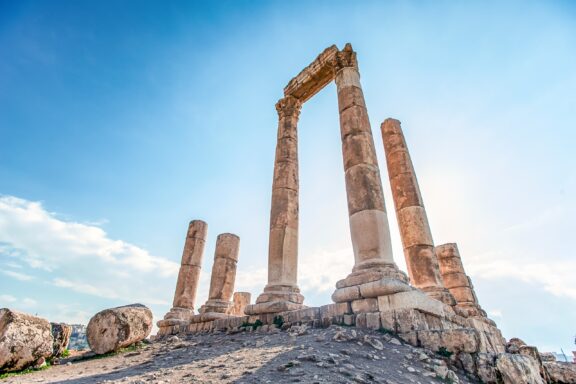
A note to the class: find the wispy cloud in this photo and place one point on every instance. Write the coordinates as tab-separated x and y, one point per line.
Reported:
556	278
7	299
18	275
78	257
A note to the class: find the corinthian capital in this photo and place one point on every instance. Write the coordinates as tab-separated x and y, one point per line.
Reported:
288	106
345	58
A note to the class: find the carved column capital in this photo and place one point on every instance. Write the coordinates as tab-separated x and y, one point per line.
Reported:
288	106
345	58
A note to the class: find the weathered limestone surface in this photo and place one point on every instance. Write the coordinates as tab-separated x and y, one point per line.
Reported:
188	276
223	274
61	337
314	77
282	292
518	369
24	339
374	273
560	372
239	302
421	260
456	280
115	328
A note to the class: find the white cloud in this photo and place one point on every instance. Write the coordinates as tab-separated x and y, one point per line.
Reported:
28	302
14	301
7	299
495	313
556	278
18	275
320	270
79	257
46	240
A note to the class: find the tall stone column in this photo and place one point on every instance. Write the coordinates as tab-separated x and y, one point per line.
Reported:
223	274
188	276
416	236
282	292
369	226
456	280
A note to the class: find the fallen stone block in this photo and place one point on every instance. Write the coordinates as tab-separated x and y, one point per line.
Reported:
115	328
24	340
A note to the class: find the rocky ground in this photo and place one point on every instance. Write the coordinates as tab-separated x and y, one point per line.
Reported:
332	355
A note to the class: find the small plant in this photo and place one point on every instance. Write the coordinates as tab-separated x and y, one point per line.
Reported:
23	372
278	321
442	351
65	353
254	325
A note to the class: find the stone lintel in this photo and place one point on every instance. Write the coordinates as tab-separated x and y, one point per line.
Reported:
314	77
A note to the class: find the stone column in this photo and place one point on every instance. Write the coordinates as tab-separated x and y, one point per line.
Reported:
282	292
456	280
369	227
239	301
417	241
223	274
189	275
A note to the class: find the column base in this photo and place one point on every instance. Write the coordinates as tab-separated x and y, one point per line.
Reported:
369	280
277	298
216	306
176	316
441	294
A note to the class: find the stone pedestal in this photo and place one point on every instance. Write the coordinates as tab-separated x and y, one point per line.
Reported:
456	280
223	275
373	261
415	231
282	292
188	277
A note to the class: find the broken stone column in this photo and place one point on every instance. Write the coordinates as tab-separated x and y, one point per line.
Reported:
223	275
369	228
188	277
282	292
456	280
239	301
416	236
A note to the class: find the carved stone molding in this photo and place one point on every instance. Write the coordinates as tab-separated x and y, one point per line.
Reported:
288	106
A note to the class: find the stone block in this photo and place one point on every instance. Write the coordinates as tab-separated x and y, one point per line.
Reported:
353	120
364	188
408	320
463	294
414	228
358	148
410	338
382	287
560	372
486	367
518	369
373	320
346	294
454	280
350	97
414	299
349	320
343	308
365	305
388	320
360	320
407	194
455	340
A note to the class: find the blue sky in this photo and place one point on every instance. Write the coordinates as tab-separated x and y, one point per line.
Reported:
120	121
